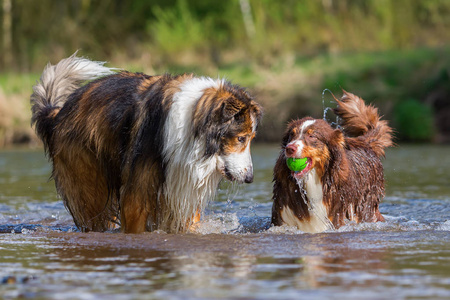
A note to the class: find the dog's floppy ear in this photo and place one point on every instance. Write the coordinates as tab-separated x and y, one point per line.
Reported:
337	139
336	145
338	161
231	107
257	111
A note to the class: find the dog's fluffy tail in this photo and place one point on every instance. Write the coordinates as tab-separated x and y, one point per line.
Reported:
57	82
361	120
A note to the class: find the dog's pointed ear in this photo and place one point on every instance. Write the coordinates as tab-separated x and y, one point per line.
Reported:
231	107
339	161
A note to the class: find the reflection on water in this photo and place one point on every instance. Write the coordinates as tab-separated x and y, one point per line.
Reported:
235	253
352	265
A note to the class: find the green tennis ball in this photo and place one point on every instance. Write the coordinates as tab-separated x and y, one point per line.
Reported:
296	164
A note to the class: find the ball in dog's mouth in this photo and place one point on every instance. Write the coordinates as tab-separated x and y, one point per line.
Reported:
299	166
296	164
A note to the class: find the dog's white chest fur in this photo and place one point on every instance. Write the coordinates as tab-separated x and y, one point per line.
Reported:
318	221
191	180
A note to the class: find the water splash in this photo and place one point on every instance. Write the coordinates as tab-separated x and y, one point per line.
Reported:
325	112
225	221
232	192
220	223
311	193
327	108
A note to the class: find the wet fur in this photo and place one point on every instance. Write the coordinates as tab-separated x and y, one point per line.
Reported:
347	161
145	152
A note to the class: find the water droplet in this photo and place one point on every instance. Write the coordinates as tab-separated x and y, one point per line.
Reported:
326	108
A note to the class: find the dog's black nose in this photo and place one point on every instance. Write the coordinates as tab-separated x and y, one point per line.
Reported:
249	178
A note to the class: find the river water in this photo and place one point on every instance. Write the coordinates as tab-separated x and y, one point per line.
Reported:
234	253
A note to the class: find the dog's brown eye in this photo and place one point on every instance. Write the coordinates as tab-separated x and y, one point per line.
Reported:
241	139
312	137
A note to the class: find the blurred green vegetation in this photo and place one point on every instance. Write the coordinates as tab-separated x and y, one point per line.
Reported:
411	88
414	120
216	32
394	53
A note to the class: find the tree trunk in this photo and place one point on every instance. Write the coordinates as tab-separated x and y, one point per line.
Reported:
7	34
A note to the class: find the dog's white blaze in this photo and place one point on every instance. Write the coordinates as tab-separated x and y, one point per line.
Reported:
305	125
298	141
318	221
191	180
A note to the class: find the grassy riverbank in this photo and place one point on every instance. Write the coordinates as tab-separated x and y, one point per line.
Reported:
411	88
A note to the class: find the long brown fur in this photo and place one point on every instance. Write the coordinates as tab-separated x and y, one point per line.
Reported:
107	141
347	160
359	119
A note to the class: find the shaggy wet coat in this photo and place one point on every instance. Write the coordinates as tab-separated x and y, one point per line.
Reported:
145	152
343	179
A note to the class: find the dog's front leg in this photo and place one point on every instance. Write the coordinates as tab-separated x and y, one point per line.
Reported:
133	213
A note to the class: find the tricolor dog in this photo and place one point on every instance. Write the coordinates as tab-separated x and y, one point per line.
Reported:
342	177
147	152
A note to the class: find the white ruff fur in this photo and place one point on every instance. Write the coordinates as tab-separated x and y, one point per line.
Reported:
191	180
318	221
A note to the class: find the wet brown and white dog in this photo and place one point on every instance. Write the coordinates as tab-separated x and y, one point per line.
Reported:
148	151
343	178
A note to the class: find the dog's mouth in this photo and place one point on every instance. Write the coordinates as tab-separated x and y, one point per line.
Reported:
247	178
234	171
227	174
302	173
